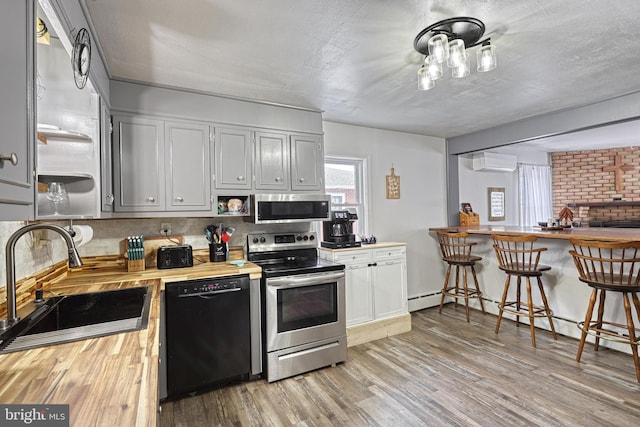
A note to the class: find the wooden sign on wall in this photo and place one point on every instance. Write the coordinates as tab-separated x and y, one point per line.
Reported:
393	185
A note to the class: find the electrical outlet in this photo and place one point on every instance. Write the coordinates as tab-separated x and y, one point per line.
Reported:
165	228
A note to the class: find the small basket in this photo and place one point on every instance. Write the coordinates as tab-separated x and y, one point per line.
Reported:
467	219
135	265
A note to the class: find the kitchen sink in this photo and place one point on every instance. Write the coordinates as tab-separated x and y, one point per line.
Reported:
68	318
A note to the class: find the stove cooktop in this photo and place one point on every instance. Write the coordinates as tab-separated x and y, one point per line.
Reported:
287	268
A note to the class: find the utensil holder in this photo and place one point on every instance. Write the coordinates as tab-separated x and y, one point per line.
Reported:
218	252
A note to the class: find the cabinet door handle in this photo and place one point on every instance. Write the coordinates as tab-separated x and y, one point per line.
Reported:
13	158
240	178
278	179
179	199
301	180
110	198
151	199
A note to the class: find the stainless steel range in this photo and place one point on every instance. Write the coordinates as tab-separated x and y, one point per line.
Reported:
303	304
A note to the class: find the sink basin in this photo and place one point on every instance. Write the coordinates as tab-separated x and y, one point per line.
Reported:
75	317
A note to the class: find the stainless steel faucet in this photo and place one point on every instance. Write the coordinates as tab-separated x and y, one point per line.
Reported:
74	261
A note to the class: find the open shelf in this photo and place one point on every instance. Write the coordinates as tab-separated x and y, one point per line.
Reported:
603	204
81	192
222	201
55	132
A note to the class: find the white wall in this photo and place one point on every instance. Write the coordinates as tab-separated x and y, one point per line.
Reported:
473	185
420	162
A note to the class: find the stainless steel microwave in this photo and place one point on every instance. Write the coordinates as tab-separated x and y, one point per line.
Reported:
283	208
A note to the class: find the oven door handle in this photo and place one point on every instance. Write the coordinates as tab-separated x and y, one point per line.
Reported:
304	280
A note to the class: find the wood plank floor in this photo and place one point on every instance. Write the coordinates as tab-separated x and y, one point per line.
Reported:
444	372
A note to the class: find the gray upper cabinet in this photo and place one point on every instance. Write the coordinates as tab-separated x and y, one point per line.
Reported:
272	161
161	165
18	111
187	165
138	164
289	162
307	163
233	158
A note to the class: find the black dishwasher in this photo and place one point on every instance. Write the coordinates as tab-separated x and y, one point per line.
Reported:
207	333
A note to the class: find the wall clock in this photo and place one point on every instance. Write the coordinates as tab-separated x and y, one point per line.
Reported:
81	58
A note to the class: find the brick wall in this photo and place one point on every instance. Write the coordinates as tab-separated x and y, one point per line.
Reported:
578	177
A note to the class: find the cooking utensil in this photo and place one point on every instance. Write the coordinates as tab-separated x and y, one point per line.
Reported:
225	237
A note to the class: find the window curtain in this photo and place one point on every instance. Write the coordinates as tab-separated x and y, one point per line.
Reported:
536	200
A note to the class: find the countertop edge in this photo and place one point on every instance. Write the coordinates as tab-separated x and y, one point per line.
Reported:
601	233
368	246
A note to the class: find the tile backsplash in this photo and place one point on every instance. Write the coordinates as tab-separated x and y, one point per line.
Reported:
108	233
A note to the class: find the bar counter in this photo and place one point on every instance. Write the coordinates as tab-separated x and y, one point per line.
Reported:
568	297
602	233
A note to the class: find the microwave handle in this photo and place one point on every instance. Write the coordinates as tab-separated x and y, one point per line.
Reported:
304	280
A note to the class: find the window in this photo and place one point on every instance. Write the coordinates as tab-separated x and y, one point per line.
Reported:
535	194
344	182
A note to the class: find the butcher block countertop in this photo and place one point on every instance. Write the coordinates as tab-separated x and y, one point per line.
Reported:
111	380
603	233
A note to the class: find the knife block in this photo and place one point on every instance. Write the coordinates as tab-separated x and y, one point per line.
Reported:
135	265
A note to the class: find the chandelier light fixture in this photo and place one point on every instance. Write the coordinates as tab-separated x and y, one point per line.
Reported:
447	41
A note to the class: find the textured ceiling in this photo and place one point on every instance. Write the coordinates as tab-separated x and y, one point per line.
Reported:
355	61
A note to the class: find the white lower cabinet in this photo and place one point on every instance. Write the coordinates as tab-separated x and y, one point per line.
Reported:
376	281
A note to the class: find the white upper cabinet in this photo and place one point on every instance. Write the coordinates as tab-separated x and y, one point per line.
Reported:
233	158
17	110
106	159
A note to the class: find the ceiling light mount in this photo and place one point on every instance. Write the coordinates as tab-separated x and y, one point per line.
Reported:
448	41
470	30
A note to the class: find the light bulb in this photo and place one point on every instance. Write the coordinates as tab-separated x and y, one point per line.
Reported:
486	57
457	53
461	70
424	81
438	48
434	68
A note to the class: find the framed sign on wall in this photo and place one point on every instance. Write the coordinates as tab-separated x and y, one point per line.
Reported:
496	203
393	185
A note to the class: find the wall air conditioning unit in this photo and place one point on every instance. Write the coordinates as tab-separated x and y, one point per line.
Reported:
494	162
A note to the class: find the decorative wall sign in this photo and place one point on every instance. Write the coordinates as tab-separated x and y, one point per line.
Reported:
393	185
496	203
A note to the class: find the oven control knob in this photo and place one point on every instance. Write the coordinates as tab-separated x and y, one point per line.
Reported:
255	240
312	237
305	238
262	240
299	238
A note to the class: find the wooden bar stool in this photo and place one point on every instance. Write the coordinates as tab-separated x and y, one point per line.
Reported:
609	266
456	251
517	257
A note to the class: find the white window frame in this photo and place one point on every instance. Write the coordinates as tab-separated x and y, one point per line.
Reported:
360	166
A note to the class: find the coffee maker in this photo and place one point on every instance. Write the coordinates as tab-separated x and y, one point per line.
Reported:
338	233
